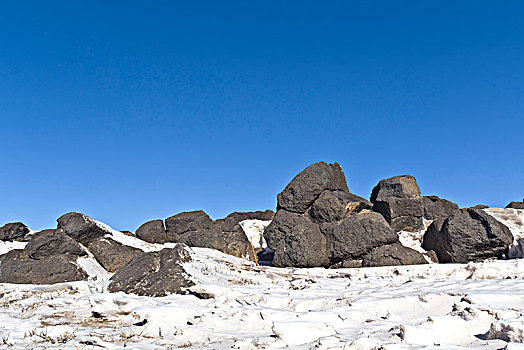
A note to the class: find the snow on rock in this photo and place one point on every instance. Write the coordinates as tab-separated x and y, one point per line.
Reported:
254	230
514	220
510	331
7	246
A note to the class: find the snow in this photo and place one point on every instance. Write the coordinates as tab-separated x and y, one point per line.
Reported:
448	306
6	246
514	220
254	230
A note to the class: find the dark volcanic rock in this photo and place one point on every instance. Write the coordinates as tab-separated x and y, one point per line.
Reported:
398	200
479	206
152	232
196	229
403	186
18	267
394	207
516	205
356	236
180	224
154	274
296	240
393	255
15	231
309	184
52	242
467	235
112	255
408	223
80	227
435	207
336	205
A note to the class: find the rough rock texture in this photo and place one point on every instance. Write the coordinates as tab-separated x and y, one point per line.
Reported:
80	227
18	267
467	235
516	205
356	236
15	231
52	242
296	240
154	274
309	184
336	205
403	186
177	226
152	232
112	255
393	255
435	207
196	229
398	200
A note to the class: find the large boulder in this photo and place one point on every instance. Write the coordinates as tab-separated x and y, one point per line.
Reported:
18	267
154	274
297	241
112	255
152	232
398	200
403	186
467	235
52	242
300	193
516	205
356	235
336	205
179	225
14	231
80	227
393	255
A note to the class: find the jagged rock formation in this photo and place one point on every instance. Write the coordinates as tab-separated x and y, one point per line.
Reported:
467	235
398	200
320	223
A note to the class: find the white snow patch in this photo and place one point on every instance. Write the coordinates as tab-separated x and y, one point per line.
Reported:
254	230
7	246
514	220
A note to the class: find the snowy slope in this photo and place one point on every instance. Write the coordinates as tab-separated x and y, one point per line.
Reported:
449	306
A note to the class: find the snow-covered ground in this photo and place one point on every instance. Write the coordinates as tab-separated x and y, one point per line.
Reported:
448	306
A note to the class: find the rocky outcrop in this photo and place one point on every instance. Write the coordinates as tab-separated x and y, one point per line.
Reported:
80	227
516	205
393	255
112	255
18	267
398	200
320	223
52	242
467	235
49	257
154	274
357	235
152	232
300	193
14	231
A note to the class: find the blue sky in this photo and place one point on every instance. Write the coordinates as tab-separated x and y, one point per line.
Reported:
130	111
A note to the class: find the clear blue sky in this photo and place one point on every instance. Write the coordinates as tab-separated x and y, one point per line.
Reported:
130	111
